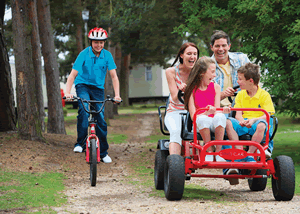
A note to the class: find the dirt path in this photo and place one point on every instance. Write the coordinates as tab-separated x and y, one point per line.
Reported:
114	192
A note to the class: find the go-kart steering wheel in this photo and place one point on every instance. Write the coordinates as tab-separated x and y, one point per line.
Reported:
180	95
235	93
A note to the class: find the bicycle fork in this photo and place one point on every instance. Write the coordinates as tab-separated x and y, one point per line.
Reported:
88	144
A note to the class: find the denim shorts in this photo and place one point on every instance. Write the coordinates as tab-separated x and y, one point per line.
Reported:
241	130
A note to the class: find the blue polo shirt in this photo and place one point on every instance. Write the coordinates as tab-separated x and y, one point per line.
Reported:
91	69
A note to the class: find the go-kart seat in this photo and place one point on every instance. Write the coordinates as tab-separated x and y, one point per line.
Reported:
163	128
187	128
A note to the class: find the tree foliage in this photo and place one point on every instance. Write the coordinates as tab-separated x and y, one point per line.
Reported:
268	32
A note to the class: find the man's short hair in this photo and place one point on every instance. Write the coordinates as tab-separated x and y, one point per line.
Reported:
250	71
219	34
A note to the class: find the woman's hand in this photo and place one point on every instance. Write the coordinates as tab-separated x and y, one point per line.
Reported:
182	87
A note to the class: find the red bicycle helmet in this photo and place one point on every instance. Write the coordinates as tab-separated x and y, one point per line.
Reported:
97	34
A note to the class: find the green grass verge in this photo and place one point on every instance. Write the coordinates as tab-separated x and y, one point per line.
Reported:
22	191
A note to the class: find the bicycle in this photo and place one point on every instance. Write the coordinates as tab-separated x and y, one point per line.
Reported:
92	141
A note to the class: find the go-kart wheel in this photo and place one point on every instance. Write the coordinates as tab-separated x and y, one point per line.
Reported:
160	160
174	177
284	187
258	184
235	93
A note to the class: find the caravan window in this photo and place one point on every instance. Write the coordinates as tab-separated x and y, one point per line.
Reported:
148	73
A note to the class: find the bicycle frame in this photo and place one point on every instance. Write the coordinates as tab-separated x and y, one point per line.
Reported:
92	125
92	135
198	160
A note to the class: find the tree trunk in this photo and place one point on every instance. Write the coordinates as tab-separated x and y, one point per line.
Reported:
118	61
29	126
109	86
79	38
37	62
124	76
7	104
79	41
55	109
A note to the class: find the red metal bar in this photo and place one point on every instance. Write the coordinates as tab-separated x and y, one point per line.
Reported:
98	150
87	156
233	109
226	176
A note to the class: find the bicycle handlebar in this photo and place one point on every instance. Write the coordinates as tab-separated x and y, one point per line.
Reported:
94	101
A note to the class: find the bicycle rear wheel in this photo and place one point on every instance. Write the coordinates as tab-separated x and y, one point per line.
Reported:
93	162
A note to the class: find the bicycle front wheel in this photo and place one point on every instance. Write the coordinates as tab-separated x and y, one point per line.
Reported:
93	162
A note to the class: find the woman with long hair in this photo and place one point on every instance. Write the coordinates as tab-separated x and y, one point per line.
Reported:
177	76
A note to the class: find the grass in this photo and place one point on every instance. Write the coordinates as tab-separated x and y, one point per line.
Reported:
22	191
117	138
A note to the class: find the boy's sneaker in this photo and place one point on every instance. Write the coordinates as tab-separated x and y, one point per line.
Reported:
220	159
106	159
77	149
267	153
209	158
232	181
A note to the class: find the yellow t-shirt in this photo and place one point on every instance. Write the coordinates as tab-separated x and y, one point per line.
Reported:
261	99
227	81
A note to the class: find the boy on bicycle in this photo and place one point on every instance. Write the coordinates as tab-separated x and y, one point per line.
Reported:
89	72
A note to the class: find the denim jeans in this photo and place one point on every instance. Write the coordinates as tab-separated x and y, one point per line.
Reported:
89	92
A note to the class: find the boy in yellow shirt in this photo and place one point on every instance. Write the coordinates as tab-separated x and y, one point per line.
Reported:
251	96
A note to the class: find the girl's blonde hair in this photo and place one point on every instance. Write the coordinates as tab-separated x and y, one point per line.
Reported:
196	76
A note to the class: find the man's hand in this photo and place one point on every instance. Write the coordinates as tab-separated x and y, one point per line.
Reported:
228	92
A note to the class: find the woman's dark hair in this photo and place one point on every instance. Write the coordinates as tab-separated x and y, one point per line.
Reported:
181	51
195	77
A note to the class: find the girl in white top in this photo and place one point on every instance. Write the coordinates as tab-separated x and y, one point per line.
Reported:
177	77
